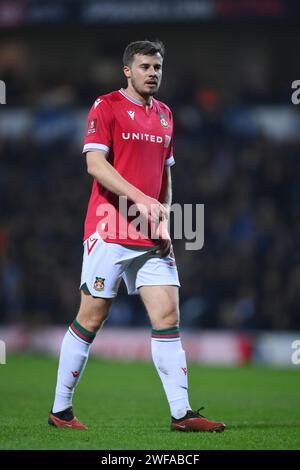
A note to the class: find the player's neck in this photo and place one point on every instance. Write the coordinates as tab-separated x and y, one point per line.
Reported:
145	100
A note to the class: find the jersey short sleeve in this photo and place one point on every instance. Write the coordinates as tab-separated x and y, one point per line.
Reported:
99	127
169	160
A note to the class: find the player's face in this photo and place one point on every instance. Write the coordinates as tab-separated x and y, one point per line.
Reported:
144	74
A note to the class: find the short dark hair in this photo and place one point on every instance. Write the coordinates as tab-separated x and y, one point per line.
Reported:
142	47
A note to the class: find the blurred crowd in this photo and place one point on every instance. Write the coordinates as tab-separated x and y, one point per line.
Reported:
247	275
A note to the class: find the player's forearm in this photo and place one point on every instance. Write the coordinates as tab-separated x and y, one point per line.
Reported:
108	177
165	196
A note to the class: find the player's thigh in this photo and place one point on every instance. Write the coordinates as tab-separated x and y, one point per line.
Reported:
93	310
162	305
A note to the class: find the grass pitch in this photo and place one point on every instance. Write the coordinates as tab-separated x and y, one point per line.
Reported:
125	408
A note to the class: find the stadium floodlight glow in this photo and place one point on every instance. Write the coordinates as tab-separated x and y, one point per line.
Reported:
2	92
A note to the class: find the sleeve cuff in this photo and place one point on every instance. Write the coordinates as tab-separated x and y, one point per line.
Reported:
91	146
170	161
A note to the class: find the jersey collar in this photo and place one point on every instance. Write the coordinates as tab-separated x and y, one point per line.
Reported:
133	100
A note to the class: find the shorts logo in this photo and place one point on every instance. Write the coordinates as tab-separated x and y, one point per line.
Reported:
99	284
92	126
163	121
91	242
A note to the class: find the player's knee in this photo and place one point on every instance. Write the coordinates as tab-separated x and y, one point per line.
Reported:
168	318
92	318
95	320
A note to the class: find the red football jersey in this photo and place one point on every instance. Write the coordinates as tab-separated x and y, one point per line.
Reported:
138	141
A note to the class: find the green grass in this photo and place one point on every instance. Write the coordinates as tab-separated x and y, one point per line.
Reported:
125	407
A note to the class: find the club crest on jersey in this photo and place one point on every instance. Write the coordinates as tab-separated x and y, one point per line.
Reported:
92	126
163	121
99	284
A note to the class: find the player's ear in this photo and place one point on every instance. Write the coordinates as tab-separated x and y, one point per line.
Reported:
127	71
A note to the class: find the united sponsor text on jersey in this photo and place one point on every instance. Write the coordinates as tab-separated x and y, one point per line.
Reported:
147	137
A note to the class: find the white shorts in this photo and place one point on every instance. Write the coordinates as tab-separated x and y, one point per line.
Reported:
105	264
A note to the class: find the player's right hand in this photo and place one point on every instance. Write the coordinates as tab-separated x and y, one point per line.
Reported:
152	209
163	239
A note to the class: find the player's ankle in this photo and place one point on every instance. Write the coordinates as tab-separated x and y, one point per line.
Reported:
66	414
